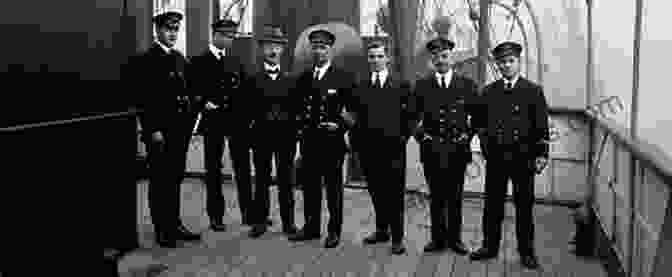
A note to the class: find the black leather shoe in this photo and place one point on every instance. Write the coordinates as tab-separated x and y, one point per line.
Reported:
435	246
398	248
257	230
458	247
377	237
303	236
483	254
290	231
332	241
529	261
184	234
217	226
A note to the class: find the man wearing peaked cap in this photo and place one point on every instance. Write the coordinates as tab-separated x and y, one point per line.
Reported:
166	125
444	101
274	114
514	142
218	77
324	97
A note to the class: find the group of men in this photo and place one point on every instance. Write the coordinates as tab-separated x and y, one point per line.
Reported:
268	112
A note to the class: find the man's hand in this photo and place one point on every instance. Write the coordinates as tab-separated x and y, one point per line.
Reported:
540	164
157	137
210	106
331	126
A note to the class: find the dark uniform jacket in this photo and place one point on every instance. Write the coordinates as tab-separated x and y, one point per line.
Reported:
444	114
273	111
221	82
382	112
515	120
160	76
324	101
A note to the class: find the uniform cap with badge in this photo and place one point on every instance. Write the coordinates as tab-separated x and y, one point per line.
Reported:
439	44
322	36
507	48
167	17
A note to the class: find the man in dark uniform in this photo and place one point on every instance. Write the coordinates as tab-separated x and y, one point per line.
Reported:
443	103
324	92
275	130
514	142
166	125
380	135
217	77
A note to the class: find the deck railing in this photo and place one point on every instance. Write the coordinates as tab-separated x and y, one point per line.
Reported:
630	192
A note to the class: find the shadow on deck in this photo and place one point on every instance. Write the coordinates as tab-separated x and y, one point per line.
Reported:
232	253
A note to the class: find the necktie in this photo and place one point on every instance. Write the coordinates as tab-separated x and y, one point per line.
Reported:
442	82
376	80
508	85
316	75
272	71
221	55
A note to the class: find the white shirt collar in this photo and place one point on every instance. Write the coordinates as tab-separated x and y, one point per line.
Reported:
513	81
322	69
271	67
216	51
382	75
165	48
448	76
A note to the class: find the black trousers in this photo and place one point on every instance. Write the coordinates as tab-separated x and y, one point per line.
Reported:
282	147
239	149
444	165
499	169
323	157
384	164
167	162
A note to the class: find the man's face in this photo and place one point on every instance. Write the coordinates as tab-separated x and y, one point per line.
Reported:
273	51
509	65
223	40
321	52
167	34
442	61
377	58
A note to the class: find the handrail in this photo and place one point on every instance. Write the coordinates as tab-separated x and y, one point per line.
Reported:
659	162
21	127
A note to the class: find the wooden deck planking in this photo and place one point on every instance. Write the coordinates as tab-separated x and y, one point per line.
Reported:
232	253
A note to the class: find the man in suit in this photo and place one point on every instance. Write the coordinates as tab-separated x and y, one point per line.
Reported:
217	76
166	126
324	91
380	135
444	101
514	142
275	130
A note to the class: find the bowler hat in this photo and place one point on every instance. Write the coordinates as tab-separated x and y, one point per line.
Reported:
439	44
273	33
507	48
225	26
322	36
